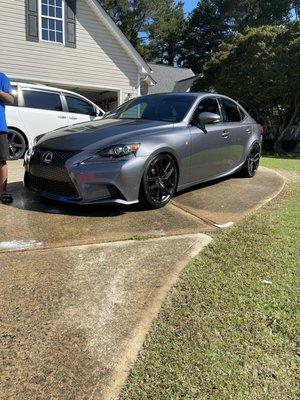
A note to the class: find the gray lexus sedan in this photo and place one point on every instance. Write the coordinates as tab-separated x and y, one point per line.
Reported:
146	150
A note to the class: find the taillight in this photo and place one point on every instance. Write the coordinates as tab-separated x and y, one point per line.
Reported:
261	130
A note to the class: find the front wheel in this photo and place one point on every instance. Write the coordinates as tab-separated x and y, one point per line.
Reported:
252	162
159	182
17	144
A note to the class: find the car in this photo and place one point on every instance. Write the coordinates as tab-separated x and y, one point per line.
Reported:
39	109
145	151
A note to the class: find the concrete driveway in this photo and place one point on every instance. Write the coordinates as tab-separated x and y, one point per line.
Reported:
80	287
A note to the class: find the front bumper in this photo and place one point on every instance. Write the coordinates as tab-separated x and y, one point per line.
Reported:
73	181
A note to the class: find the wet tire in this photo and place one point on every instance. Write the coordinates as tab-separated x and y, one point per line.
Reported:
159	182
251	164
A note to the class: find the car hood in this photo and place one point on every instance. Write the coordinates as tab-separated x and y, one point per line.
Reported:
99	134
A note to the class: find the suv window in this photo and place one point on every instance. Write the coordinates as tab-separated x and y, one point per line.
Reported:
42	100
230	111
210	104
79	106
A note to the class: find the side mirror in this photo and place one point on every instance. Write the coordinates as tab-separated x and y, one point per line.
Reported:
209	118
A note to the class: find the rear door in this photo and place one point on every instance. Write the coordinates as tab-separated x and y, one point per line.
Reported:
42	111
79	110
238	128
209	150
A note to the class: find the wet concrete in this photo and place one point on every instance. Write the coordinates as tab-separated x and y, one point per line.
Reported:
230	199
74	309
38	222
72	320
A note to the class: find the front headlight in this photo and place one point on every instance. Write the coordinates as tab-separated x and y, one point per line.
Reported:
114	152
119	150
29	153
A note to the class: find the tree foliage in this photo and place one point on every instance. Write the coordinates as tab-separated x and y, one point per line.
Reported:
153	27
260	68
165	33
215	21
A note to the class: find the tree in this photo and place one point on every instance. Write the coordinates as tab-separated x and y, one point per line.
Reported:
255	13
165	33
260	69
207	27
153	27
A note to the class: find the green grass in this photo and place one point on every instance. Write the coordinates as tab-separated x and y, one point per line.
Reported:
222	332
289	164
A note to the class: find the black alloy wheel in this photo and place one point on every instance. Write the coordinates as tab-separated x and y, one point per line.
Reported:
159	181
252	163
16	143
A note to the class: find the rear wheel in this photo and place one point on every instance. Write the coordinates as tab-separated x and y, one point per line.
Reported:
252	162
159	181
17	144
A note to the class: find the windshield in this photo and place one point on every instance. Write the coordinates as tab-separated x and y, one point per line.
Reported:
157	108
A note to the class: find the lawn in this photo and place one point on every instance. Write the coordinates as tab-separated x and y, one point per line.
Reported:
289	164
228	329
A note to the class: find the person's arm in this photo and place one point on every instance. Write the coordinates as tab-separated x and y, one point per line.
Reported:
6	91
7	98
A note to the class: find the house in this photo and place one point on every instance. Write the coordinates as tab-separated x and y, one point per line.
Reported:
167	78
72	44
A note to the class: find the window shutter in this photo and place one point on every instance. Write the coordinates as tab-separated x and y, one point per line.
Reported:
70	23
32	20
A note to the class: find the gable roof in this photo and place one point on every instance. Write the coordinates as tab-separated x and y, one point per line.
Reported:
118	34
185	85
167	76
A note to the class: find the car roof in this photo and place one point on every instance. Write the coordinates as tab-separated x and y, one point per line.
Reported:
40	85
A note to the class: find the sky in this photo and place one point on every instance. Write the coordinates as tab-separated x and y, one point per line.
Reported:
189	5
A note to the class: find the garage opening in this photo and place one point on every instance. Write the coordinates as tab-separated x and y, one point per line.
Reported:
106	99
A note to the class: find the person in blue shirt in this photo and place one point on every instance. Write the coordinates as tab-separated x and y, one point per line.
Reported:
6	97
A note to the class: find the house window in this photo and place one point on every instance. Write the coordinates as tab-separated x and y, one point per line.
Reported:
52	21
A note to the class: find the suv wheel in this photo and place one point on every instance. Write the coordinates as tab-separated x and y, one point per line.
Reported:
17	144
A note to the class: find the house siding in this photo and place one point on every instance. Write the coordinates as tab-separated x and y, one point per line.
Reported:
97	61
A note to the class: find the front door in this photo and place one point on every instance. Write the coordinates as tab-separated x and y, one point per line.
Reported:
79	110
209	150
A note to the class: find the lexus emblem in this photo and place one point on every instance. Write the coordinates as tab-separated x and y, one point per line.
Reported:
47	157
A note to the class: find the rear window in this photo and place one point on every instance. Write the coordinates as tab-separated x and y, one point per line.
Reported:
42	100
230	111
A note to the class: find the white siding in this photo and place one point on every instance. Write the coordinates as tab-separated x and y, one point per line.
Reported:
98	61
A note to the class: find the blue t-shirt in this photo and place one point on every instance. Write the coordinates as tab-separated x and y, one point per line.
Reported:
4	87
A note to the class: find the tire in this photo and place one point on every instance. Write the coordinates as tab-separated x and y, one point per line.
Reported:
17	144
251	164
159	182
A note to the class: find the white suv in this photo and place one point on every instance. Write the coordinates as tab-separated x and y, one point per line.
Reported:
39	109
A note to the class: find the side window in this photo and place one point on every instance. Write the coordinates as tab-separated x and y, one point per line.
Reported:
42	100
210	104
79	106
230	111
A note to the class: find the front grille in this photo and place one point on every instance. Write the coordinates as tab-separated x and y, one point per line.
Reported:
52	187
52	178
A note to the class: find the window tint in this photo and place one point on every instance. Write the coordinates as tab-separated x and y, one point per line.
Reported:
79	106
230	111
209	104
42	100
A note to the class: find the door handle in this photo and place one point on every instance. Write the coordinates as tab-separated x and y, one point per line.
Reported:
73	118
248	130
225	134
62	117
